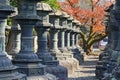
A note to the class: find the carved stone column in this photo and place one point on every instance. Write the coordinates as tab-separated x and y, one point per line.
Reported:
16	31
67	33
67	50
61	37
61	42
26	59
54	19
77	35
42	28
7	69
78	50
75	50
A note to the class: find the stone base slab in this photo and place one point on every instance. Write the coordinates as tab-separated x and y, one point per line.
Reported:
12	75
59	71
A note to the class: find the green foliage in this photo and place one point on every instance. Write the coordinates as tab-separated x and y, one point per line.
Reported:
9	21
14	3
53	3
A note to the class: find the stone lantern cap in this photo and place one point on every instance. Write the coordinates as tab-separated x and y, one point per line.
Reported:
56	13
75	21
78	23
43	7
65	15
5	7
70	18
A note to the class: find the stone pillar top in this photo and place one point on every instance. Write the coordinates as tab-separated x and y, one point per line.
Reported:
63	20
27	10
44	7
5	8
54	19
78	27
75	24
56	13
75	21
43	10
69	21
65	15
70	18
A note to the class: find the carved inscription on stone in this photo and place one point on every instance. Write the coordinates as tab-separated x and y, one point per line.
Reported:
27	8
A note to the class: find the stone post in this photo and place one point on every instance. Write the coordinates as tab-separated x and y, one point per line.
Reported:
79	51
42	28
54	19
75	50
67	33
7	69
72	34
16	30
67	51
26	59
61	42
61	37
77	34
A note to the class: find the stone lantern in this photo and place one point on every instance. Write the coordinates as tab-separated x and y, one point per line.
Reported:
42	28
67	33
61	45
72	34
16	41
65	22
73	48
78	49
61	37
54	19
7	70
26	59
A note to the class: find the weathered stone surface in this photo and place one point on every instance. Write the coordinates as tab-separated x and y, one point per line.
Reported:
16	31
7	69
42	28
26	59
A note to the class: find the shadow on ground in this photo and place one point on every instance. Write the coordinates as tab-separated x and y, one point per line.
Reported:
87	69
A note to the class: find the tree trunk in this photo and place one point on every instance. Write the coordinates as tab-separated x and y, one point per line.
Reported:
87	49
9	44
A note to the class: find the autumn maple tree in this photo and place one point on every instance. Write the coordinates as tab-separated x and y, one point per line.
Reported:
91	19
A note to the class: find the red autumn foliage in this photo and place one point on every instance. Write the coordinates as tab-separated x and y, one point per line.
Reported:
91	16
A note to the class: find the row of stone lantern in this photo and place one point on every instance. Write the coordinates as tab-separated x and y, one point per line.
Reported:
54	60
108	67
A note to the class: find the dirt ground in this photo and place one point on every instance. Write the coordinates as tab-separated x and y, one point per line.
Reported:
86	70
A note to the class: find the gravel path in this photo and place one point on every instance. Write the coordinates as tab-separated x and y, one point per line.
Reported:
87	69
